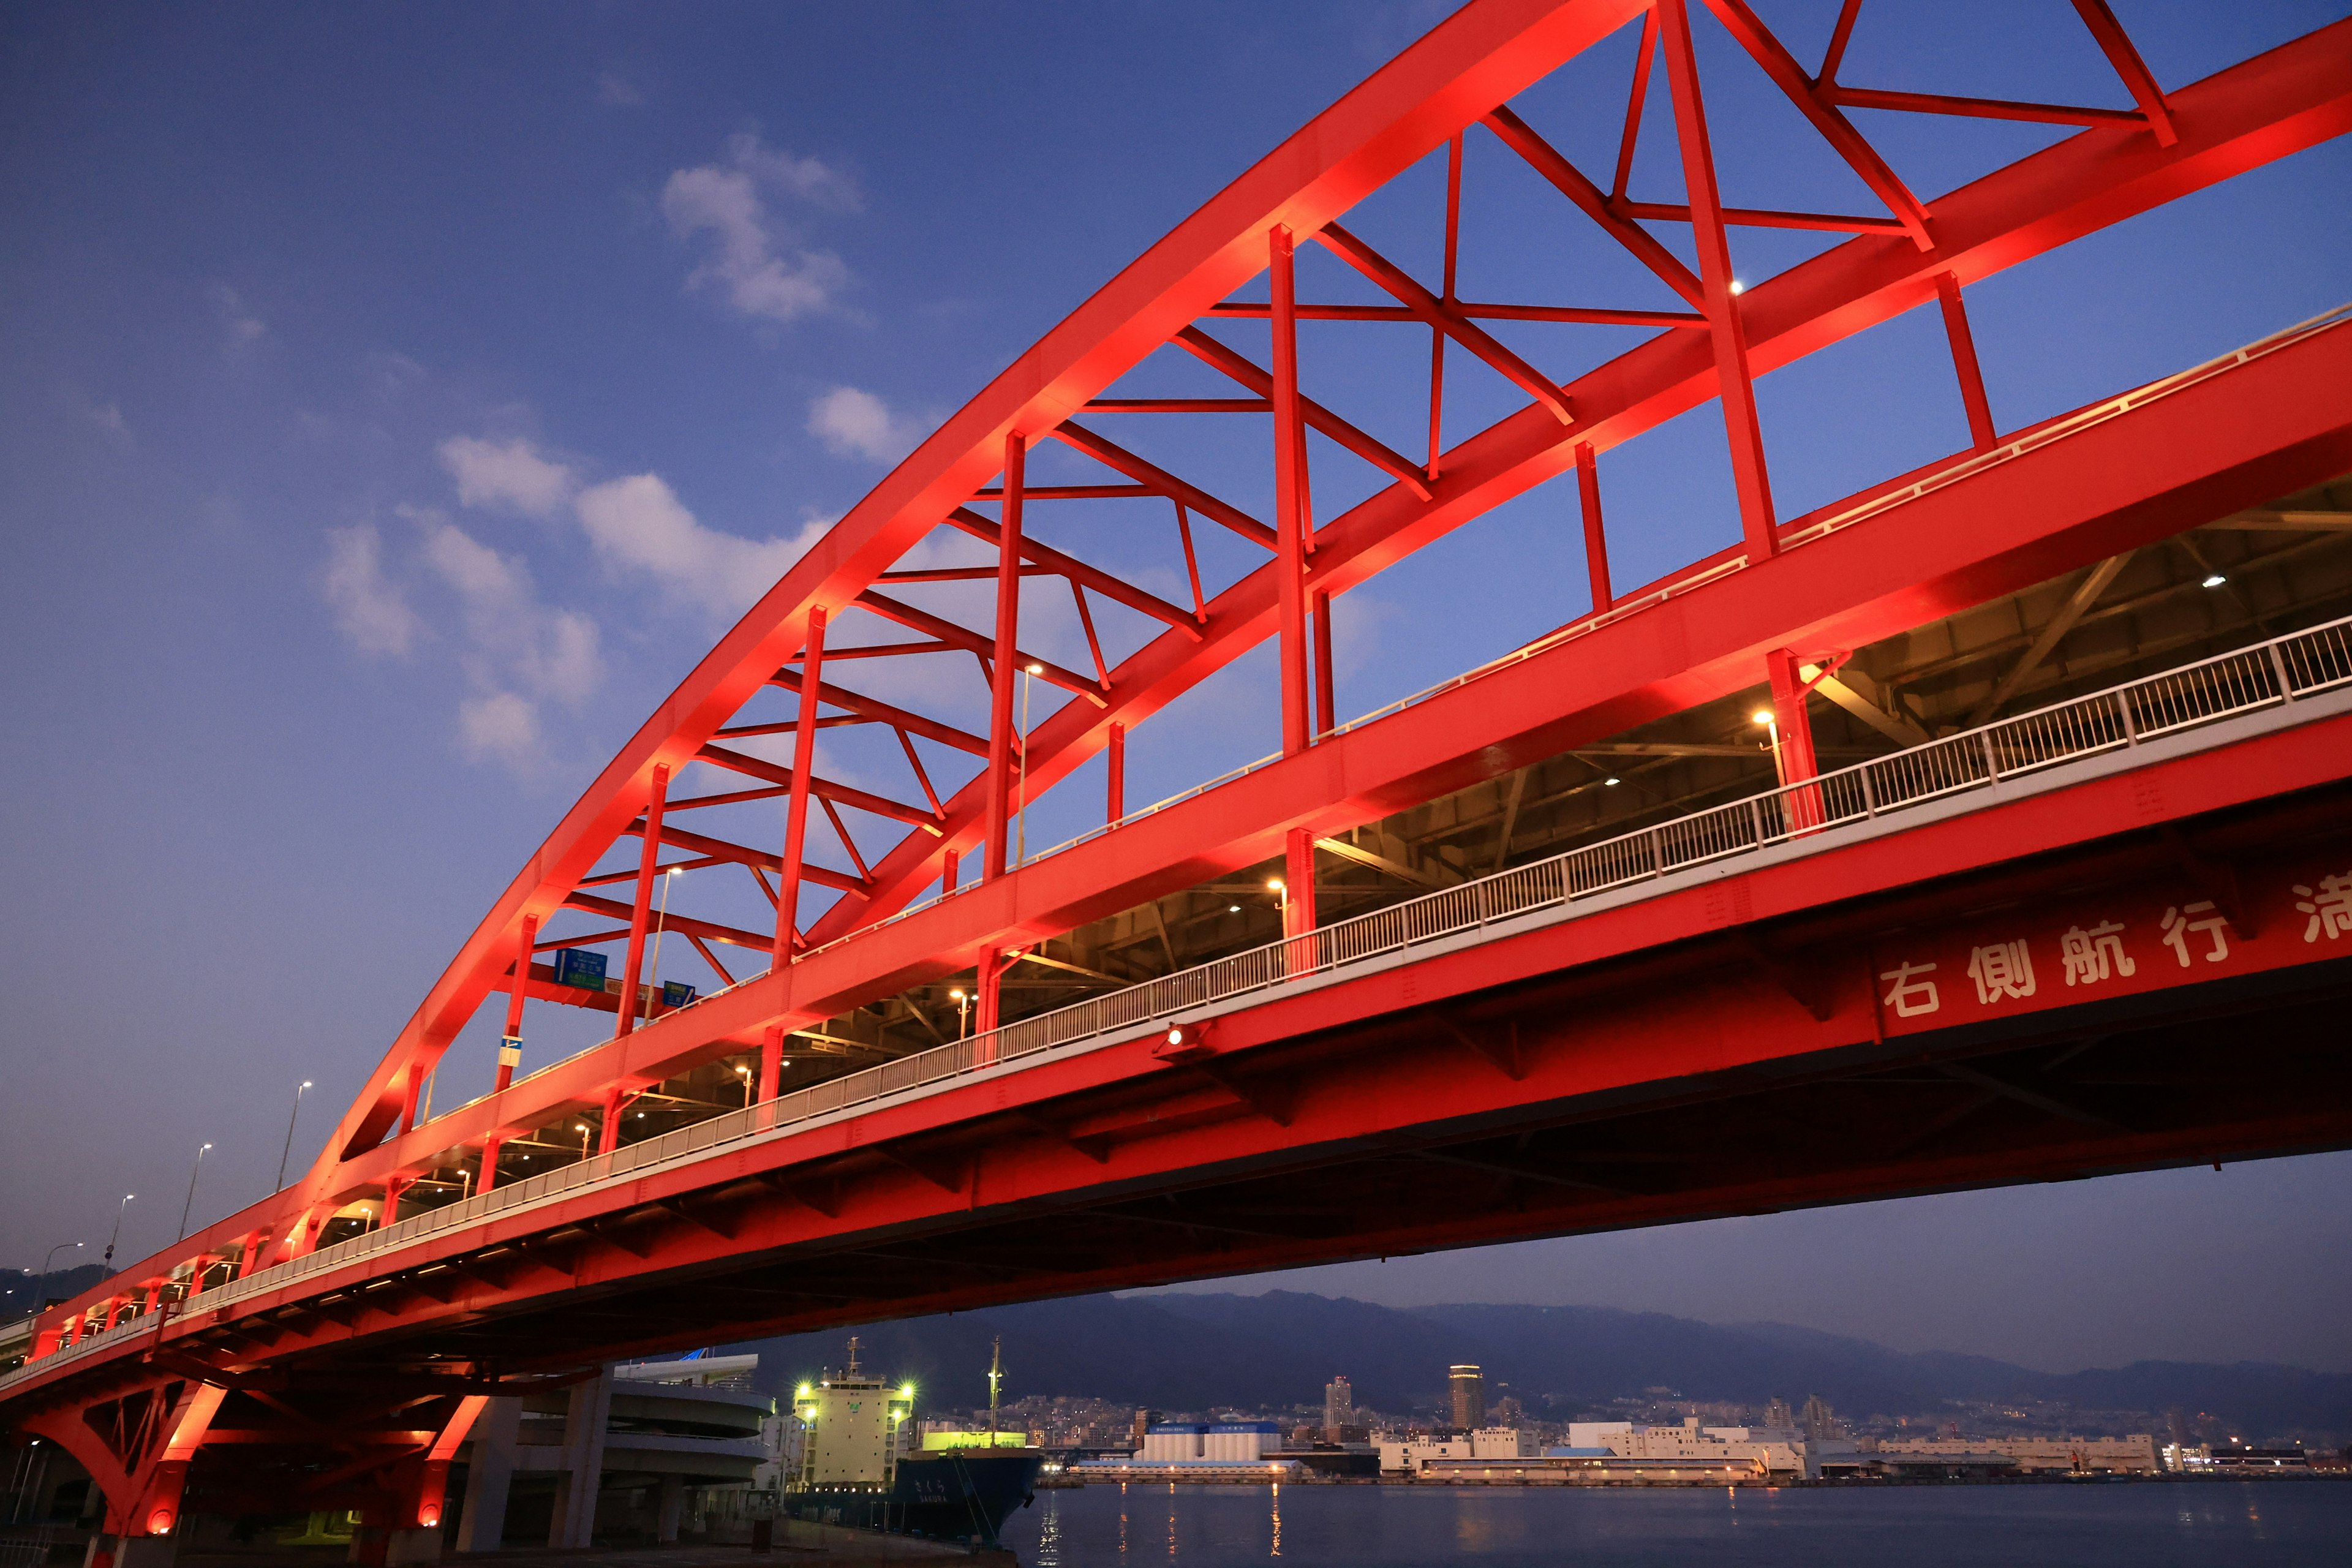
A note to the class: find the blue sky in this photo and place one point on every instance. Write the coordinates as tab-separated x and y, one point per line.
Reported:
394	402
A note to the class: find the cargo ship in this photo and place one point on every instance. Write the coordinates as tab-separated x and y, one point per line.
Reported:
853	1459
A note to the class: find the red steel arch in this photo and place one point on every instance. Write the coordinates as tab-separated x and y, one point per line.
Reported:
969	477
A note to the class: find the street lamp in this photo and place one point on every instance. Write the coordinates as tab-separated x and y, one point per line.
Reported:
1771	723
582	1128
1020	829
116	1234
962	1000
1281	894
745	1074
43	1282
194	1171
288	1150
660	920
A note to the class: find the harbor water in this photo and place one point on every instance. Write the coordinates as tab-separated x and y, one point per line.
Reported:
2141	1524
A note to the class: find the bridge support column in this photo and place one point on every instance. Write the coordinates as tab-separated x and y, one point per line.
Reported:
107	1551
641	910
999	810
510	1043
671	1508
1294	522
490	1476
788	871
1298	882
573	1523
1789	689
1115	802
1726	328
1596	542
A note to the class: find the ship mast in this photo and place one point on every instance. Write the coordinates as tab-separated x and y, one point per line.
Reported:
995	1379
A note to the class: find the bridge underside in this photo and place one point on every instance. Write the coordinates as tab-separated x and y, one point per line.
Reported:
1739	1052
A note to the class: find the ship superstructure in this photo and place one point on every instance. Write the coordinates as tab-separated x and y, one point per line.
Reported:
853	1429
851	1459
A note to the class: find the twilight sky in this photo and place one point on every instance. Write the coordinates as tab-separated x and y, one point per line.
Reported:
396	401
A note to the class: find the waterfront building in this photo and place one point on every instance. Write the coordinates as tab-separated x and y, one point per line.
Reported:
647	1451
1769	1450
1401	1454
2133	1455
1469	1397
1339	1408
1223	1442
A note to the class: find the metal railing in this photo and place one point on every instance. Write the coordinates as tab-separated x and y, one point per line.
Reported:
2263	676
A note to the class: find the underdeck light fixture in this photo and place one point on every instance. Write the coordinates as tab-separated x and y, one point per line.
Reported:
2214	580
1233	909
1611	782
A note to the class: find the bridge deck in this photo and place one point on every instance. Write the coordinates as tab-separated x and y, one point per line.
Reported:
1532	923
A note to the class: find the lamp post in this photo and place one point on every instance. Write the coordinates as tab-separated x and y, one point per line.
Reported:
187	1208
116	1234
1281	896
964	1012
284	1153
1020	827
1766	717
659	920
745	1074
43	1282
582	1128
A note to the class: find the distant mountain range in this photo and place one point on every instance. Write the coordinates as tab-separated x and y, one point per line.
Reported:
1192	1353
18	1285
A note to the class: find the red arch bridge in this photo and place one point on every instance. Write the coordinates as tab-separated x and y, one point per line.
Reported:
1930	839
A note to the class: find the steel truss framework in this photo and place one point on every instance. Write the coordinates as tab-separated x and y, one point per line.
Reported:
800	660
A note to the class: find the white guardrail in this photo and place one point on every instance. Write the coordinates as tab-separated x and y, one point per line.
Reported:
2264	676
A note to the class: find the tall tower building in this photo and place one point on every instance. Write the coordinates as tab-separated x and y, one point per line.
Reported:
1469	1398
1338	1407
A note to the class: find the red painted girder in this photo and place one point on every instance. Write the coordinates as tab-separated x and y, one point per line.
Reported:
881	712
2242	117
1077	571
1477	58
1241	368
2311	755
1158	480
964	637
1673	1032
2141	476
720	849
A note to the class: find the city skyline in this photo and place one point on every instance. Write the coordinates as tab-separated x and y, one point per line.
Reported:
384	441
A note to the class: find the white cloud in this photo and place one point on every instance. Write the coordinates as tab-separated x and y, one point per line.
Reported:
754	259
509	474
520	652
368	606
614	90
501	727
857	424
515	639
243	325
639	522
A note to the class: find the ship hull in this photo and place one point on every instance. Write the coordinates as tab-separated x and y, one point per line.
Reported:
949	1495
